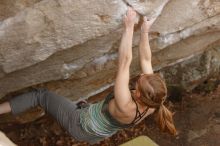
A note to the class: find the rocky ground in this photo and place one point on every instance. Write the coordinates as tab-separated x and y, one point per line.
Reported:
197	119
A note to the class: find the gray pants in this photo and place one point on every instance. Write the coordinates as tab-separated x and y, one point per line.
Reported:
62	109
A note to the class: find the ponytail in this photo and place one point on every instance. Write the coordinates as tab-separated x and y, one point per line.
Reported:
153	93
164	119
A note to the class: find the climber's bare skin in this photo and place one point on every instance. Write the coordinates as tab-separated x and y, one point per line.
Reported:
122	107
144	47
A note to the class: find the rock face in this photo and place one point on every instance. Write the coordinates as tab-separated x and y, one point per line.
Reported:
71	47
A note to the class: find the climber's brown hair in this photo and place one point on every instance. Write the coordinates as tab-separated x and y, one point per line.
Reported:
152	91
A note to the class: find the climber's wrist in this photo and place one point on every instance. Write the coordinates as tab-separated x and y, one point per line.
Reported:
144	30
129	28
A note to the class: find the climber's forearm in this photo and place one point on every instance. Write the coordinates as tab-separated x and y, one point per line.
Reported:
144	48
5	108
145	54
125	49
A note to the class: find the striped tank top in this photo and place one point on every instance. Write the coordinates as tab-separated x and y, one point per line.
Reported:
97	120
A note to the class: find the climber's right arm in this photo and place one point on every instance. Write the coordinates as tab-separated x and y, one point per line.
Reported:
121	90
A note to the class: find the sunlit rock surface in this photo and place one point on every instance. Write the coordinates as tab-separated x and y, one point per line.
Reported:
71	47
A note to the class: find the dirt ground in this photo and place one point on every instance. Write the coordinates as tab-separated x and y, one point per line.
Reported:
197	118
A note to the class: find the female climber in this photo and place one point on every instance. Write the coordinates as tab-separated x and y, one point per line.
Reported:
122	109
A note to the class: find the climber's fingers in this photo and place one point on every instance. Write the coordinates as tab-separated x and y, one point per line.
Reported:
130	17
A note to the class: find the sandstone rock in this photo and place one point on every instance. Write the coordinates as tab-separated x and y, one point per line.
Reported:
144	7
51	26
71	47
193	71
9	8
